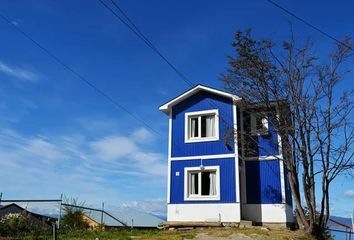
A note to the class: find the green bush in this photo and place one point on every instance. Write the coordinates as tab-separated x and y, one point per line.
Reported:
21	224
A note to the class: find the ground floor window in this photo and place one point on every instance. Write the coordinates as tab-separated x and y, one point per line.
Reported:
202	183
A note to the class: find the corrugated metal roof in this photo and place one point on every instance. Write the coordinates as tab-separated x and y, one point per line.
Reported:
139	219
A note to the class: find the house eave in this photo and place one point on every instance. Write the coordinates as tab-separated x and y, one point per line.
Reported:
165	108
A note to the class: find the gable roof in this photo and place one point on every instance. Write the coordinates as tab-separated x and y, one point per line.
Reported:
12	205
15	207
167	106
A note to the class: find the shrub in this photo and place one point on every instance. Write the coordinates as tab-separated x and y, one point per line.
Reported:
74	216
74	219
21	224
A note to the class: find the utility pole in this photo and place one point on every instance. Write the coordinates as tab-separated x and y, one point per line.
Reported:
102	215
55	232
353	222
60	205
0	202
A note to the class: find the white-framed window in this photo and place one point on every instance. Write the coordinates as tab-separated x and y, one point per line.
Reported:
202	126
259	124
202	183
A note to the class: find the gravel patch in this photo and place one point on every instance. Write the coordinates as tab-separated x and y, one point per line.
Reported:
234	236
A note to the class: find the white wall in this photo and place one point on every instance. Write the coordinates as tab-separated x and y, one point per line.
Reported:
267	213
211	212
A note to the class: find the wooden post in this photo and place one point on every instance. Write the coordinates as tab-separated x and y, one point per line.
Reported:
55	232
0	202
102	215
60	205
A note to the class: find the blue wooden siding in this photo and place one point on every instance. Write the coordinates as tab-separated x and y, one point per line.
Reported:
260	145
199	102
263	182
227	179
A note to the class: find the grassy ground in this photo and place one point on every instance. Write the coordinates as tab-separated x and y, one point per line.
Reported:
186	234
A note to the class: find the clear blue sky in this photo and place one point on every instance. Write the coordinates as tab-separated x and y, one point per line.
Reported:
59	136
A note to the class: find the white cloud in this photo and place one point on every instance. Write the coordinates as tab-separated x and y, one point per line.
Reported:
125	155
44	149
349	193
19	73
113	147
106	168
153	206
142	135
151	163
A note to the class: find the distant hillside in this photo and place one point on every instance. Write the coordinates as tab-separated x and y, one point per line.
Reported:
343	220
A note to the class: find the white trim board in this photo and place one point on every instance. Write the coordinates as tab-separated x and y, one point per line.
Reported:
167	106
204	157
169	158
237	173
273	157
281	165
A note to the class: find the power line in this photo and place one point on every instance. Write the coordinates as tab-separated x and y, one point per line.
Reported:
129	23
79	76
132	23
133	27
309	24
138	33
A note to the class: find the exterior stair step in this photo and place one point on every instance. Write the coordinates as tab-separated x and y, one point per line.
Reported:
246	224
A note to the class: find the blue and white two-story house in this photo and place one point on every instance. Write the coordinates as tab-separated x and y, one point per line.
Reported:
224	161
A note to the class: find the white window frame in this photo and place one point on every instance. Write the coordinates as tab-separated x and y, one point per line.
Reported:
199	114
265	123
199	196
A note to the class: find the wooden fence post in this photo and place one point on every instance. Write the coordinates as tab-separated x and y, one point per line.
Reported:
55	232
0	202
102	216
60	205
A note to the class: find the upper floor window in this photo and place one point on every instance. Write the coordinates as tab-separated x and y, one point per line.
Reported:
202	126
259	124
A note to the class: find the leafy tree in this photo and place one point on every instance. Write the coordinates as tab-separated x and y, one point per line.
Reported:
315	115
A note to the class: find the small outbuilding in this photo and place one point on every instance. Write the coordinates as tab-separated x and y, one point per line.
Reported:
36	218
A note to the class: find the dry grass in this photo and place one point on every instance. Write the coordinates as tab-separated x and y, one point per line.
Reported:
276	234
257	233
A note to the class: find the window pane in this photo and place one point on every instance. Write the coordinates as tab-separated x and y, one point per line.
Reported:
259	124
208	183
203	126
212	183
205	183
194	128
193	183
208	126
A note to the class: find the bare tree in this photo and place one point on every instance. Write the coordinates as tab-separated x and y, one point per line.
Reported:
314	120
